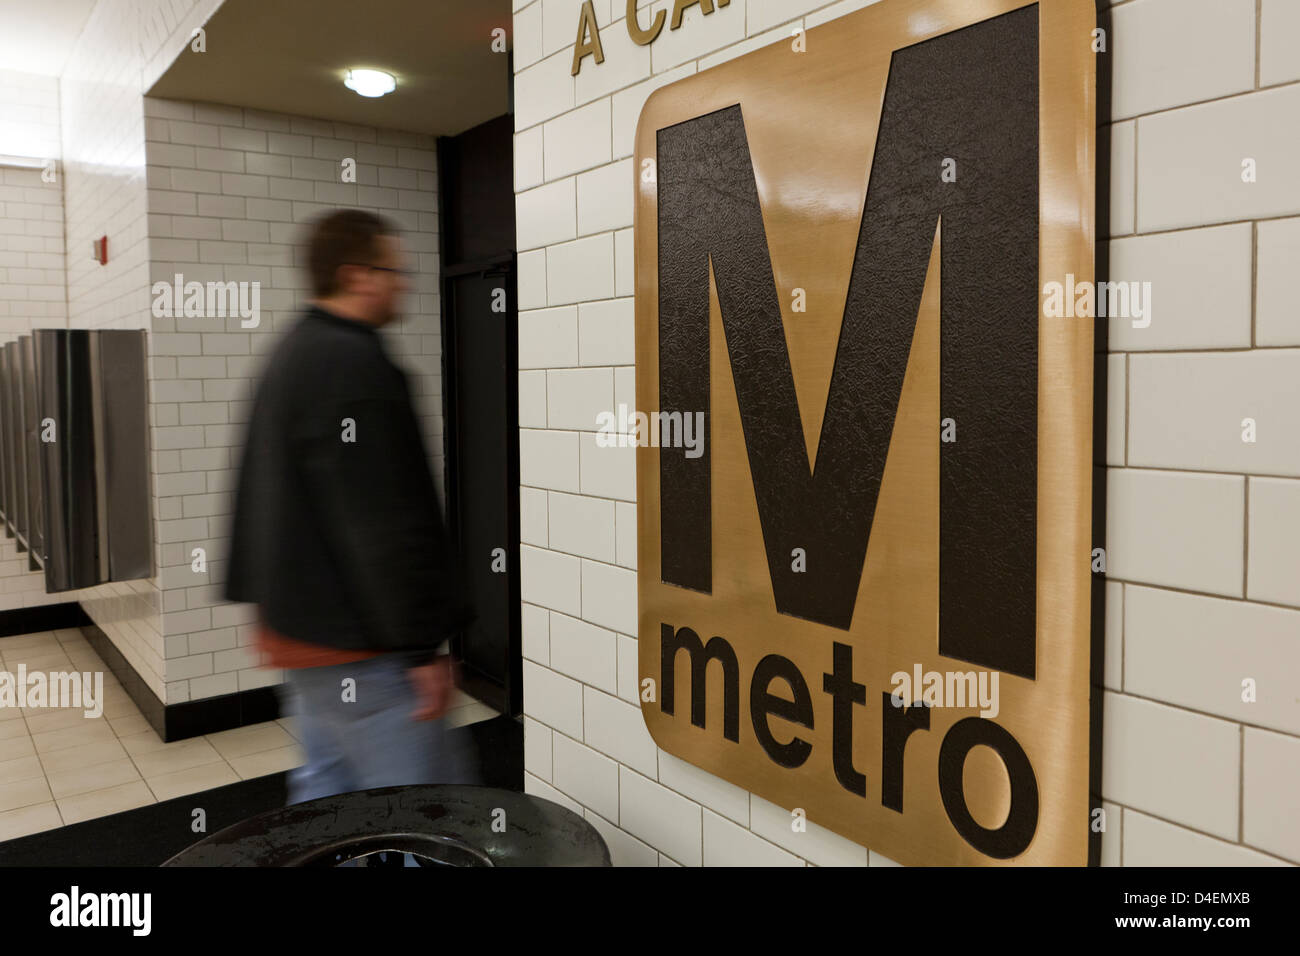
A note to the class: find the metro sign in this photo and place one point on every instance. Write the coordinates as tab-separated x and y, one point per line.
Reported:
840	244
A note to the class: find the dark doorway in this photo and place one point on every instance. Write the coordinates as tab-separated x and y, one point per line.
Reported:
481	382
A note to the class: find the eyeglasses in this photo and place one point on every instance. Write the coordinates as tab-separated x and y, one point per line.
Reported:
365	265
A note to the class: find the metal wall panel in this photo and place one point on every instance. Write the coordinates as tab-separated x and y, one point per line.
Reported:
71	539
31	442
121	420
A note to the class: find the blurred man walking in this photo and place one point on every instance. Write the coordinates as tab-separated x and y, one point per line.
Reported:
339	539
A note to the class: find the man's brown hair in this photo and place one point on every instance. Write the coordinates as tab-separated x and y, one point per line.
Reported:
343	237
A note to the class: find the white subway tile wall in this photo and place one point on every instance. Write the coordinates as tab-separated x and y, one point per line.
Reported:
33	284
1203	441
230	195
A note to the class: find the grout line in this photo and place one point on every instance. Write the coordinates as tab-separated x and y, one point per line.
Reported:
1241	785
1245	539
1212	836
1259	26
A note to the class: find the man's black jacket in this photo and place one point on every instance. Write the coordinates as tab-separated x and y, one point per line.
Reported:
337	533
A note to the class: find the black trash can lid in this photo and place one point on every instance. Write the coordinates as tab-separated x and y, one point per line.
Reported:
447	823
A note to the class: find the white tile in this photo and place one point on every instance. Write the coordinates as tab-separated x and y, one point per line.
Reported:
1277	315
559	23
582	526
537	748
628	686
528	156
815	843
605	198
584	652
577	140
532	280
1116	409
617	728
626	62
536	634
527	36
1271	767
625	534
532	517
535	786
726	844
1190	161
1112	836
1200	295
661	818
1157	843
1123	177
543	90
609	596
606	332
609	472
580	271
624	849
587	776
549	459
705	789
1279	39
576	398
624	263
548	338
1190	411
546	214
553	699
1180	530
1114	647
701	33
532	399
1170	52
1273	562
550	579
628	103
1172	763
1218	645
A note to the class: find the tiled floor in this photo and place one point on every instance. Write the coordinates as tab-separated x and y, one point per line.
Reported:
58	766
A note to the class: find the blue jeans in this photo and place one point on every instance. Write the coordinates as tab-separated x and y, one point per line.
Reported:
370	741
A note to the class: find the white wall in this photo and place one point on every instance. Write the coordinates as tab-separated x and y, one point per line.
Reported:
229	194
33	291
1203	529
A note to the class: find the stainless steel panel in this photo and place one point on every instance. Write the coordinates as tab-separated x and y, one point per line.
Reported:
35	511
121	418
71	540
6	444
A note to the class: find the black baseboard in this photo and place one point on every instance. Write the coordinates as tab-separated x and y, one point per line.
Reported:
191	718
47	617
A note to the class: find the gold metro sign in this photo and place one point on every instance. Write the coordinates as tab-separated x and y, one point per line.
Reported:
864	506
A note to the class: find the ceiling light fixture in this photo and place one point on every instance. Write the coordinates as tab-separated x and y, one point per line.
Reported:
370	82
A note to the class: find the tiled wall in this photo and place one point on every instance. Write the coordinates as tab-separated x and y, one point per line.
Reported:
29	115
229	194
1203	529
122	50
33	290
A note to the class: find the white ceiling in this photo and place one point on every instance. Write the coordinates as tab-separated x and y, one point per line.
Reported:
36	36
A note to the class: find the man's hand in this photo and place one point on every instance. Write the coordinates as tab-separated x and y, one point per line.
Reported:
434	686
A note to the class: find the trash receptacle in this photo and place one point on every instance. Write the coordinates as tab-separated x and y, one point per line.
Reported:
437	824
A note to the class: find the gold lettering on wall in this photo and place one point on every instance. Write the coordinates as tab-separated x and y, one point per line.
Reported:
588	42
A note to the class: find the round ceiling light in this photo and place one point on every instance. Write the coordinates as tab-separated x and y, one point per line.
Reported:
370	82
